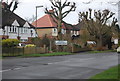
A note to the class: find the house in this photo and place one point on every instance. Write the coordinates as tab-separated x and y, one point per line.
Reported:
15	27
47	25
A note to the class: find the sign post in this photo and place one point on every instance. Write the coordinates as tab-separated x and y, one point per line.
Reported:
60	42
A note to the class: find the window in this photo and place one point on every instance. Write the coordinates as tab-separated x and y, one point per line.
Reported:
10	29
13	29
25	30
55	30
21	30
23	40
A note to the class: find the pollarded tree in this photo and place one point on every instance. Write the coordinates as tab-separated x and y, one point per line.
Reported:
58	13
97	25
13	5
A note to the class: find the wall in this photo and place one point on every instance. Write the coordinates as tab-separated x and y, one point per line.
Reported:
42	32
23	35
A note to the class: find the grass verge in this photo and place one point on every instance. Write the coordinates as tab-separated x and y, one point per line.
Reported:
111	73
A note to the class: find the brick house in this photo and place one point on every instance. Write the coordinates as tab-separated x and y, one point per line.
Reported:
46	25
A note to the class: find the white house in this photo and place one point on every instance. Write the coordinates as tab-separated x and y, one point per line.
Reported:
15	31
15	27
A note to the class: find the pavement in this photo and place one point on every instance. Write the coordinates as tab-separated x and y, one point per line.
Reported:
78	66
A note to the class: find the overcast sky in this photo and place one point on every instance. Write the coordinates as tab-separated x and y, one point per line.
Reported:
26	8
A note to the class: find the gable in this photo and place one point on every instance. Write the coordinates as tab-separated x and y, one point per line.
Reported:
15	23
26	25
9	18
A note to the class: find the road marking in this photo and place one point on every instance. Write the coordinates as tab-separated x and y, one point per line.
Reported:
9	70
16	68
5	70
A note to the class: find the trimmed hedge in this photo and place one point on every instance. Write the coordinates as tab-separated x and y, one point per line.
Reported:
10	42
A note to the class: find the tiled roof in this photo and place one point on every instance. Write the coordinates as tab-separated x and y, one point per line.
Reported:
8	17
47	21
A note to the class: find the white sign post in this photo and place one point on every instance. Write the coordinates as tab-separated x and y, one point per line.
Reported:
61	42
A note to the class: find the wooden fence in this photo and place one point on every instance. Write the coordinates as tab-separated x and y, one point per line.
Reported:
21	51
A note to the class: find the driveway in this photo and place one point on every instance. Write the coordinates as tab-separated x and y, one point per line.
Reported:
78	66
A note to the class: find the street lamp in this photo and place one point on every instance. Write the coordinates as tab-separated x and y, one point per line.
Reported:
36	18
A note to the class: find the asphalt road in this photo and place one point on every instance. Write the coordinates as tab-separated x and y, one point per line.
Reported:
78	66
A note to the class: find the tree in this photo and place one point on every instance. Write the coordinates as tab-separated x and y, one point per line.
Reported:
118	33
45	41
9	6
97	25
58	13
30	20
36	41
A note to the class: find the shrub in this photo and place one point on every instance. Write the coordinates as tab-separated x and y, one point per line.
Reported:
10	42
45	41
36	41
77	45
119	42
30	45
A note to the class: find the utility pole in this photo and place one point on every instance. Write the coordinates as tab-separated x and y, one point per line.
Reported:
36	19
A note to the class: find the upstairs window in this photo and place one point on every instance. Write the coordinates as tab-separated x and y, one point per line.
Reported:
55	30
12	29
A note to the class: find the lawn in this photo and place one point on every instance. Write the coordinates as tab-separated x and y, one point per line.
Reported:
111	73
47	54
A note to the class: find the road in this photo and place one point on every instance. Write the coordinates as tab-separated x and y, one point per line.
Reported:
78	66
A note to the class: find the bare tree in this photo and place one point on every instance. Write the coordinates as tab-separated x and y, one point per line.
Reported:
97	25
30	20
58	14
15	3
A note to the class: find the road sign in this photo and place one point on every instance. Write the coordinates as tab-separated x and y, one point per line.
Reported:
60	42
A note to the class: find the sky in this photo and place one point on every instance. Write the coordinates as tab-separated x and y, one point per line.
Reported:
26	8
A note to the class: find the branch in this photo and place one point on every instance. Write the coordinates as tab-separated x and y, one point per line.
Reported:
54	4
90	13
73	7
114	21
51	13
65	4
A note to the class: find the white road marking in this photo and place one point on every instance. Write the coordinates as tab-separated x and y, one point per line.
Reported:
9	70
5	70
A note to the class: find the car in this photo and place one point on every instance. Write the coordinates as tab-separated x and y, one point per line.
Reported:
21	44
118	50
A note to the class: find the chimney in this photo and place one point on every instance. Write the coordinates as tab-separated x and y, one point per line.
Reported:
51	11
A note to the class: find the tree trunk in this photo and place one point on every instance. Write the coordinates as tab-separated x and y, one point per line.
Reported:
60	48
100	43
59	30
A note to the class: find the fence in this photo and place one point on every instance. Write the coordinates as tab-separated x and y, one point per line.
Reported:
79	49
39	50
72	48
21	51
12	51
